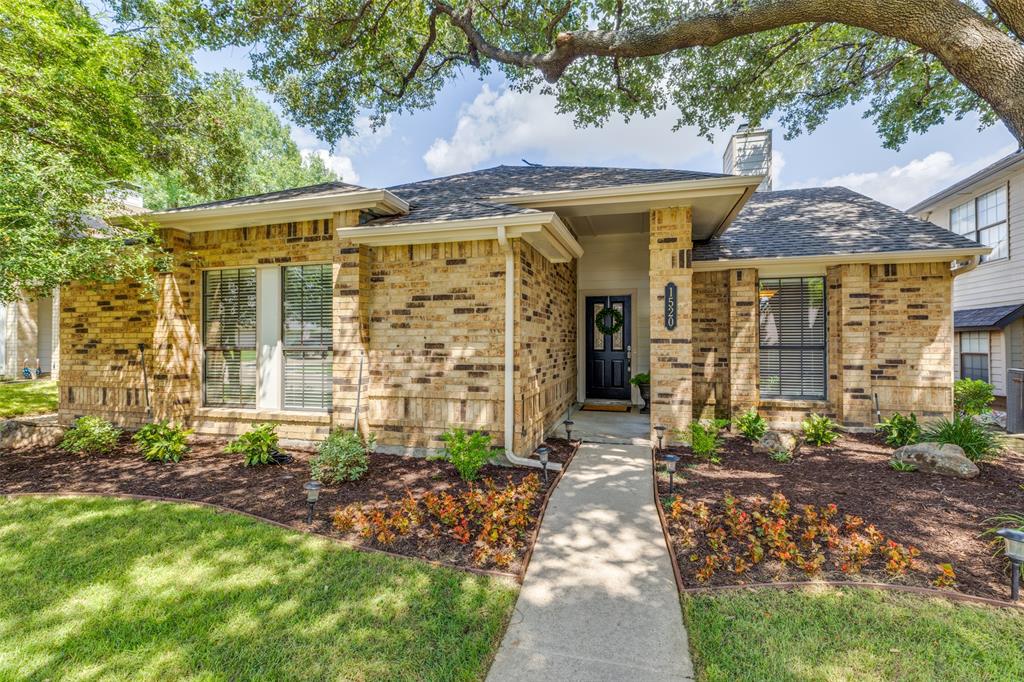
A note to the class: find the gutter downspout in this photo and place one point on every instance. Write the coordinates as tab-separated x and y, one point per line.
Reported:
509	397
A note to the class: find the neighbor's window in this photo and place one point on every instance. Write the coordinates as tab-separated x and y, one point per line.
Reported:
984	220
307	337
974	355
792	337
229	338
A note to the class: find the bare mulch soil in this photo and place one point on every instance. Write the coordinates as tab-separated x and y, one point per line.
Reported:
274	492
941	516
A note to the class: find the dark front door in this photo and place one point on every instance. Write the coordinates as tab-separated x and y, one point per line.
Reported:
608	354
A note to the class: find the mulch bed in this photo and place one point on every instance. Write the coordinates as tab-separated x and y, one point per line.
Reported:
274	492
941	516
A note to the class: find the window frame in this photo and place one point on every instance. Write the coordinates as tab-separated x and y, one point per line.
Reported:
976	354
823	347
974	234
206	347
327	349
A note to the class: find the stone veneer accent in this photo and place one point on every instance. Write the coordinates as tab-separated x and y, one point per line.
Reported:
671	246
545	344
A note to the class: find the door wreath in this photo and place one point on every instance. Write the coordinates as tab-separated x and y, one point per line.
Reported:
606	325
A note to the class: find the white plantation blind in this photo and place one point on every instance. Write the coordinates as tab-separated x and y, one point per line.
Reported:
792	337
229	338
307	336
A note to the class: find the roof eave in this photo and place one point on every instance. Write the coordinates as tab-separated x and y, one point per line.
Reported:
908	256
653	191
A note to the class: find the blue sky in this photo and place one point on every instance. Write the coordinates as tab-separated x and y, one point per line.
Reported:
478	124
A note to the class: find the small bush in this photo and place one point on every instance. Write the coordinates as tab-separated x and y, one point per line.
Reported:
342	456
900	430
642	378
782	456
90	436
162	442
900	465
468	452
751	425
972	396
705	439
258	444
819	430
977	440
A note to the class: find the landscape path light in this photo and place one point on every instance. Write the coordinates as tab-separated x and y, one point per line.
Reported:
568	424
312	489
670	466
1015	553
543	453
661	434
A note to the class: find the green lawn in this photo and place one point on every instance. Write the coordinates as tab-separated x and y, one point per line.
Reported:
94	588
851	634
20	398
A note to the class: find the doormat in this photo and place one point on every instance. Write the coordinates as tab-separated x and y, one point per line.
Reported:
599	407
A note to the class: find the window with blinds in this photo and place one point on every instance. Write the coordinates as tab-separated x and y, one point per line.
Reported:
229	338
307	336
792	337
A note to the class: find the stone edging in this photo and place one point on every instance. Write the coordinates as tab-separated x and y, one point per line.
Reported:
228	510
795	585
543	509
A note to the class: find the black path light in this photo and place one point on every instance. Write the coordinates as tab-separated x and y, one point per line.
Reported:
670	466
661	434
1015	553
312	495
543	453
568	424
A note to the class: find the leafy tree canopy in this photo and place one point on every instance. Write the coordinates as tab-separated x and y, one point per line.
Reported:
915	62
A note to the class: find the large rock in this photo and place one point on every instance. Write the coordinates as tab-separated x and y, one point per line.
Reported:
777	441
935	458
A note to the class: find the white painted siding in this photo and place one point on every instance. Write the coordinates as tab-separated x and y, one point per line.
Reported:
617	263
997	363
999	282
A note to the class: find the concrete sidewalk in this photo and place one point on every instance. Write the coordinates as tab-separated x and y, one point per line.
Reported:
599	601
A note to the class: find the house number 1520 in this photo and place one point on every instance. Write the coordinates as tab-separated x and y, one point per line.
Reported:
671	295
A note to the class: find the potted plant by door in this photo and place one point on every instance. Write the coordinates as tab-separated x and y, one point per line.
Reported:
643	382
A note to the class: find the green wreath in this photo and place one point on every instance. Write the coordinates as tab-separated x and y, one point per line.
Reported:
603	326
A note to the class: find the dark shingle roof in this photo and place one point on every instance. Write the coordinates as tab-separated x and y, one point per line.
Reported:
822	221
323	189
987	318
458	197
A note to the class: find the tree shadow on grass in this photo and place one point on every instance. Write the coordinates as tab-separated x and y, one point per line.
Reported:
97	588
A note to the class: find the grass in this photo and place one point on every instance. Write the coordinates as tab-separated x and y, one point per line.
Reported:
851	634
22	398
94	588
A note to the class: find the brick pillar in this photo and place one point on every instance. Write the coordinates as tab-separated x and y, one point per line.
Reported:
743	341
671	241
173	355
351	327
853	404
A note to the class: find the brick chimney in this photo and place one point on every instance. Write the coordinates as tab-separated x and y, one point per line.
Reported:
750	153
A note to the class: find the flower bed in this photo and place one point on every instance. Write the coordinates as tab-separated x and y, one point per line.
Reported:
207	474
839	513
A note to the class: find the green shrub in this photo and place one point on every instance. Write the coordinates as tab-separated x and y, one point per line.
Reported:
162	442
342	456
900	430
900	465
782	456
751	425
468	452
978	441
258	444
819	430
972	396
90	436
642	378
705	439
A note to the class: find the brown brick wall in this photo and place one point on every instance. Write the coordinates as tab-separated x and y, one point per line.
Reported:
711	344
545	344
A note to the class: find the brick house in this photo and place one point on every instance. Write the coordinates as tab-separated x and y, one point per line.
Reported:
471	301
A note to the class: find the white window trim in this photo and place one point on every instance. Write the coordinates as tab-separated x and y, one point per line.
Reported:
974	235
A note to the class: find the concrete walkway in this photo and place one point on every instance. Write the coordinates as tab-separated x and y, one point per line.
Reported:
599	601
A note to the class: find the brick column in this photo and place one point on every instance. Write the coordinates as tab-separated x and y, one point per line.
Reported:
743	341
853	404
671	351
351	327
174	354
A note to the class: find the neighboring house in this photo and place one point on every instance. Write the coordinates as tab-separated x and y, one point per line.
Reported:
987	207
29	336
471	301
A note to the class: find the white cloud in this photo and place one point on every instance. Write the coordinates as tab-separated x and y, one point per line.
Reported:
903	186
341	159
503	123
340	164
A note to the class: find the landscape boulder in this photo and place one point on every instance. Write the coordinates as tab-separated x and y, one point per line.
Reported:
777	441
936	458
